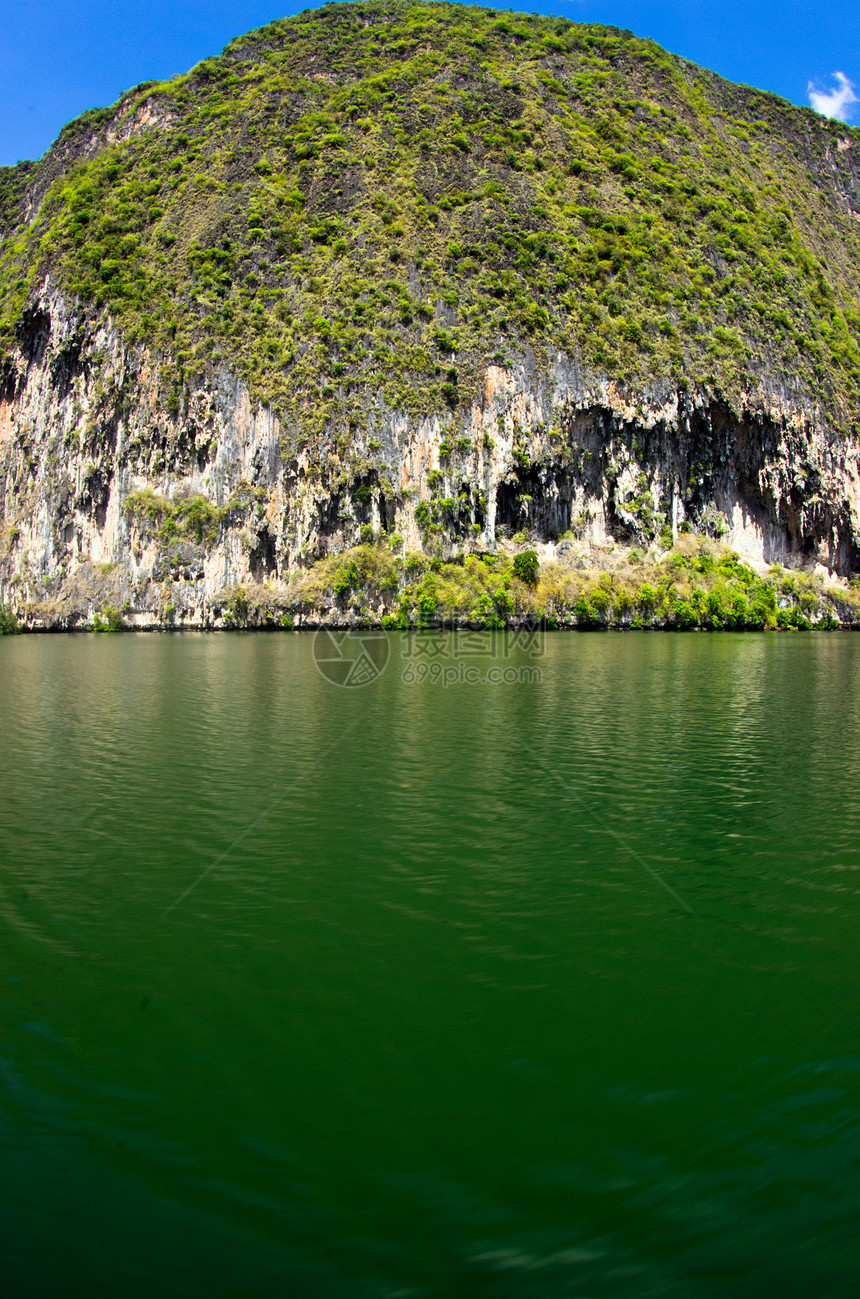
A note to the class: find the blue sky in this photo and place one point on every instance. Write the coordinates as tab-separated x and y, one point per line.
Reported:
59	57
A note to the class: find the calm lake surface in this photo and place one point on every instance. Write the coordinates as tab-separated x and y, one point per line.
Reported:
433	1026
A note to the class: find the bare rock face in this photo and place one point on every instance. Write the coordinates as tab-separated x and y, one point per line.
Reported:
112	498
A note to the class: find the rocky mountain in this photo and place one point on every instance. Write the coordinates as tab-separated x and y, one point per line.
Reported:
387	286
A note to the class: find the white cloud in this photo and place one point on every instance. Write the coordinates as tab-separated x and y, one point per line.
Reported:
836	102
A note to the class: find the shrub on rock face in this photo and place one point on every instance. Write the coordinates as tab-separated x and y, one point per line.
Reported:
110	619
526	566
235	608
685	616
8	622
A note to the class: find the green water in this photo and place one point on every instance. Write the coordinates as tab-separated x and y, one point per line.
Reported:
432	1027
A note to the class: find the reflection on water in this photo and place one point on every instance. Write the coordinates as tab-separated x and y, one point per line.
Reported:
427	1028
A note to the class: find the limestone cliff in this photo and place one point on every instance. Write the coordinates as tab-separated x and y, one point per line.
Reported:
86	432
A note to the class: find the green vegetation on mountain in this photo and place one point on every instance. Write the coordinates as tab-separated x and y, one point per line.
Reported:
699	584
376	200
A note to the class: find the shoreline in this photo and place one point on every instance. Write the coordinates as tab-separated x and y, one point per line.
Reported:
698	585
376	628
